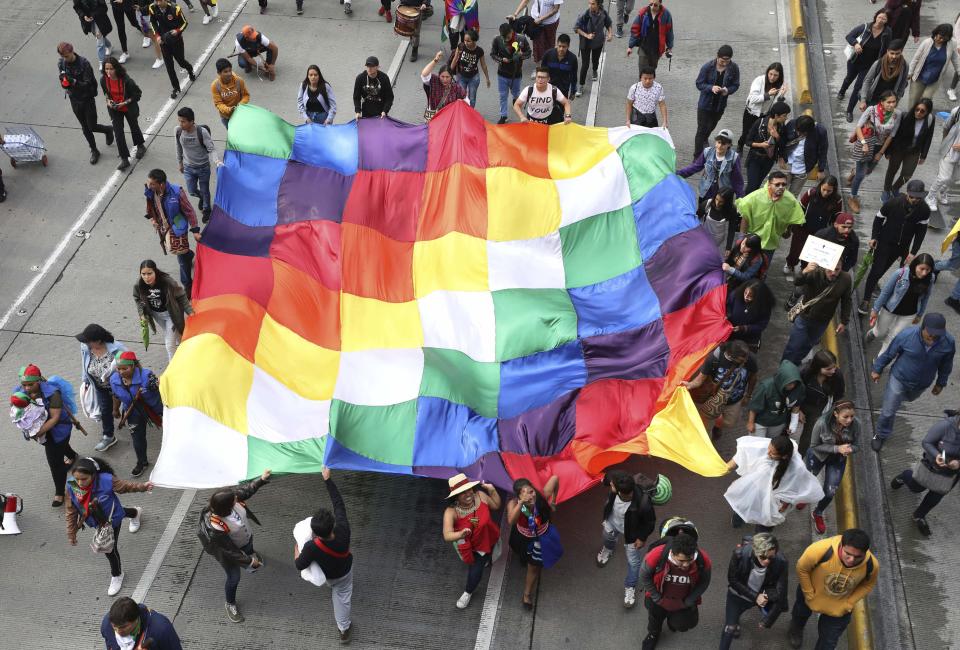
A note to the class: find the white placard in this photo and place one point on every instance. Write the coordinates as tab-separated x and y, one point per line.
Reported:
821	252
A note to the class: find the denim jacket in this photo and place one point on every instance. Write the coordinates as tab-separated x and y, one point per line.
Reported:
896	288
112	349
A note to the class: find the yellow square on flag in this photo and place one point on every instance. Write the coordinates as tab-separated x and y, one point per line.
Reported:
520	206
454	262
369	324
306	368
203	361
575	149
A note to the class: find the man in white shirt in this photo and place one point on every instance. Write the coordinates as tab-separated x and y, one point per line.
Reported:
643	99
538	103
249	45
546	15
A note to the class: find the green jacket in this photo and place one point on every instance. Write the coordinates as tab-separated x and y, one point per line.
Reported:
771	402
770	219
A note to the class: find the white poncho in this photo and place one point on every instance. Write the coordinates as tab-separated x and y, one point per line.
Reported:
752	495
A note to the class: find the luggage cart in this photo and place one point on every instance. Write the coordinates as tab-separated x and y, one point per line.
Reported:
24	145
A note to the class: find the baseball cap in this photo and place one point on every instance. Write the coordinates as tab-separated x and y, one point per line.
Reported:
844	218
935	324
372	61
726	134
916	189
248	32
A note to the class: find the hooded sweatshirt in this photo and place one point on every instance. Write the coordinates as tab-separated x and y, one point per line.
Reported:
771	401
770	219
828	586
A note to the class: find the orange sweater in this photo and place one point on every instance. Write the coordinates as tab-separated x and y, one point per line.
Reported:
829	587
227	96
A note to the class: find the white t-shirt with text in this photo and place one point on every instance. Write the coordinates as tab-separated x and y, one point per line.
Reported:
539	105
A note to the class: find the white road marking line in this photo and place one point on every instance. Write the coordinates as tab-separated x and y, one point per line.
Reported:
595	91
166	541
117	177
491	601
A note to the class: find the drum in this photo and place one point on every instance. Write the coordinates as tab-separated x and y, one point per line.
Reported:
407	21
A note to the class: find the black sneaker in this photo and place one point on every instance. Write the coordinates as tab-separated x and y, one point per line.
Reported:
109	138
192	76
124	164
649	642
94	156
896	483
174	93
345	635
137	470
795	635
141	151
840	96
849	116
953	303
206	215
877	443
864	307
619	31
502	120
922	526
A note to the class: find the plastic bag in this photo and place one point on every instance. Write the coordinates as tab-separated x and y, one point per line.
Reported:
304	535
89	402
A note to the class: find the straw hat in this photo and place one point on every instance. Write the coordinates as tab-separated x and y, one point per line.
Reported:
460	483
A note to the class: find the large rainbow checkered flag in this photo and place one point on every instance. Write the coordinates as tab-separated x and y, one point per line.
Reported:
506	301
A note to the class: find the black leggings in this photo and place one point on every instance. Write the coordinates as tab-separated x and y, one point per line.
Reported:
56	452
589	57
113	557
117	117
119	11
173	50
86	114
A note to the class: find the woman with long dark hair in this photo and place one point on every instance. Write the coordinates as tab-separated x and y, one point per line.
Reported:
159	299
532	537
835	437
123	103
745	261
470	527
748	309
764	91
873	136
720	217
98	351
316	102
909	148
869	42
772	478
821	204
902	300
822	382
94	503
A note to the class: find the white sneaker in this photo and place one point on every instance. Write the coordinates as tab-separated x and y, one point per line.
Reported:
464	600
579	92
146	42
216	10
206	20
156	64
629	596
115	583
108	51
787	269
123	58
931	202
604	556
135	522
952	95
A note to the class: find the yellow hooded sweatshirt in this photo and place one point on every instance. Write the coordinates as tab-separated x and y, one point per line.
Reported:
828	586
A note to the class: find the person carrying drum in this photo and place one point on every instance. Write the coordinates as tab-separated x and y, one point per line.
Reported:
249	45
410	15
539	103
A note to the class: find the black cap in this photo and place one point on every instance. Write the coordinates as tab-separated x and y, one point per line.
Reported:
372	61
916	189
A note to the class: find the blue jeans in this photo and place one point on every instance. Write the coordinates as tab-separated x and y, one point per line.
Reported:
864	167
894	394
836	464
829	628
634	556
105	402
951	263
504	86
198	176
804	335
233	575
470	84
475	571
186	271
317	117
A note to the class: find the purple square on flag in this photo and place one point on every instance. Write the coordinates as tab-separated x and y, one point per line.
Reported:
386	144
310	193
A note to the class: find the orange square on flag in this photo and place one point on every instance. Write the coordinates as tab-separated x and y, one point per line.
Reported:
454	199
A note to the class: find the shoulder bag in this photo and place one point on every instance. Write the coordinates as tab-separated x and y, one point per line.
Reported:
428	112
103	540
851	53
933	481
802	306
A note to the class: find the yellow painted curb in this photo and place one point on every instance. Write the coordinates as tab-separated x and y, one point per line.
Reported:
796	19
804	96
859	636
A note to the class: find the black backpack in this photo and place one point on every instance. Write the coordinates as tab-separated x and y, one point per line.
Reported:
551	119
